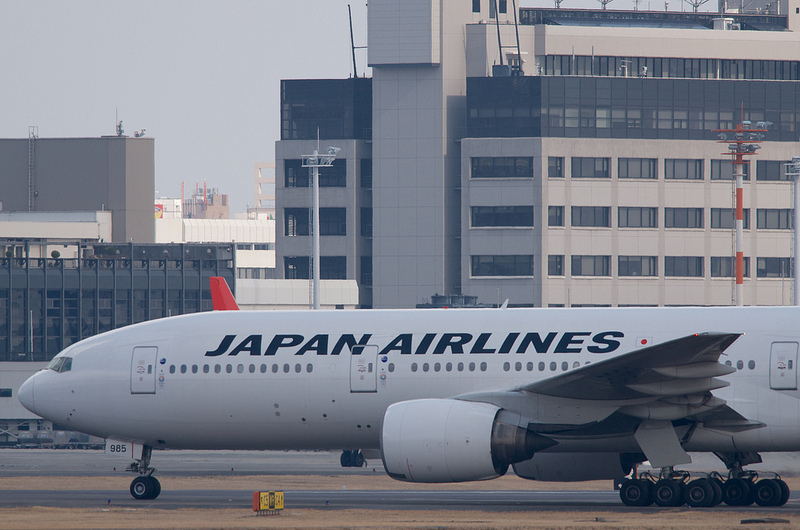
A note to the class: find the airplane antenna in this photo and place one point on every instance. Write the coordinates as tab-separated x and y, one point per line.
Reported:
504	305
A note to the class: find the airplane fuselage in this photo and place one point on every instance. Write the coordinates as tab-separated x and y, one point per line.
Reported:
324	379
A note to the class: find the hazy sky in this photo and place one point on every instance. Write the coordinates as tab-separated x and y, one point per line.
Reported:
202	77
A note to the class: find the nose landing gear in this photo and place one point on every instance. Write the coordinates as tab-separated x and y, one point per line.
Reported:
145	486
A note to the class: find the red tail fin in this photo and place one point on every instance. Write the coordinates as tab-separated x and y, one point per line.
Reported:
221	296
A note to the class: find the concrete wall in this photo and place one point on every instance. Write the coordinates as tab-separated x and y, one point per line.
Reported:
108	173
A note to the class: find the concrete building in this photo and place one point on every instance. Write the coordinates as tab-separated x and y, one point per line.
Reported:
111	173
588	173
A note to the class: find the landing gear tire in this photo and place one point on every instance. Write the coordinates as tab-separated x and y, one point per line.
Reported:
358	460
145	488
785	492
736	492
668	492
768	492
636	492
716	485
699	493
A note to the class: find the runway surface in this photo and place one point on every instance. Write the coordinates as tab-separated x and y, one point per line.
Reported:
65	463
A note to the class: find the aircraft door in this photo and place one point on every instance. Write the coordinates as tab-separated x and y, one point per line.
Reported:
363	369
783	366
143	370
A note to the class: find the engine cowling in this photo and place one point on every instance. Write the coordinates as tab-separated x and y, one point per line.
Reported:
448	440
574	467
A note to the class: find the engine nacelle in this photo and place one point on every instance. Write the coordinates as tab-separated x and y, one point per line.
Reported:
574	467
448	440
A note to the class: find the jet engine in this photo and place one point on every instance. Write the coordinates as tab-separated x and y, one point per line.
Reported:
448	440
575	467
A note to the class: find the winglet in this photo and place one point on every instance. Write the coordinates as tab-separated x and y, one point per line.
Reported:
221	295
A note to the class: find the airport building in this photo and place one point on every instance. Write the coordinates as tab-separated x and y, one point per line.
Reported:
569	159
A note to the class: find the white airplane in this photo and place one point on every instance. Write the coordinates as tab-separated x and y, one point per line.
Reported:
454	395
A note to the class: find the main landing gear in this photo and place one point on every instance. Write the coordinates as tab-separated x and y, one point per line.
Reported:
352	458
145	486
676	488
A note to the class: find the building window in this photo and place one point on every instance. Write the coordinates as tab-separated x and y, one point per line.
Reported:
771	170
502	6
518	265
295	222
296	268
591	216
333	221
637	168
683	169
683	217
555	265
502	167
773	267
555	167
366	270
588	167
725	217
366	222
366	173
774	218
637	217
476	6
683	266
591	265
332	268
297	176
723	170
724	267
638	266
555	216
500	216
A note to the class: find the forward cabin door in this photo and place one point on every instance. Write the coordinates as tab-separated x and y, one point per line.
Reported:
783	366
143	370
363	369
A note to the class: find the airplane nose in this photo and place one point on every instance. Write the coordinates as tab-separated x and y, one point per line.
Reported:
25	394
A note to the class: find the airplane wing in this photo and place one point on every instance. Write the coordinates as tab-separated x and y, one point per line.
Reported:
641	392
689	365
221	296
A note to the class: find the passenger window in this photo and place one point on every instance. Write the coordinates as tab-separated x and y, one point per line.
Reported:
425	367
205	368
449	367
460	367
739	365
529	366
751	365
565	366
483	367
413	367
229	368
274	368
172	368
576	364
309	368
391	367
217	368
728	363
471	367
437	367
252	368
506	367
240	368
790	364
194	368
183	368
541	367
518	367
297	368
553	366
286	368
263	368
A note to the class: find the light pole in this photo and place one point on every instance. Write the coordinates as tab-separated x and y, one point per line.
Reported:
316	161
744	142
